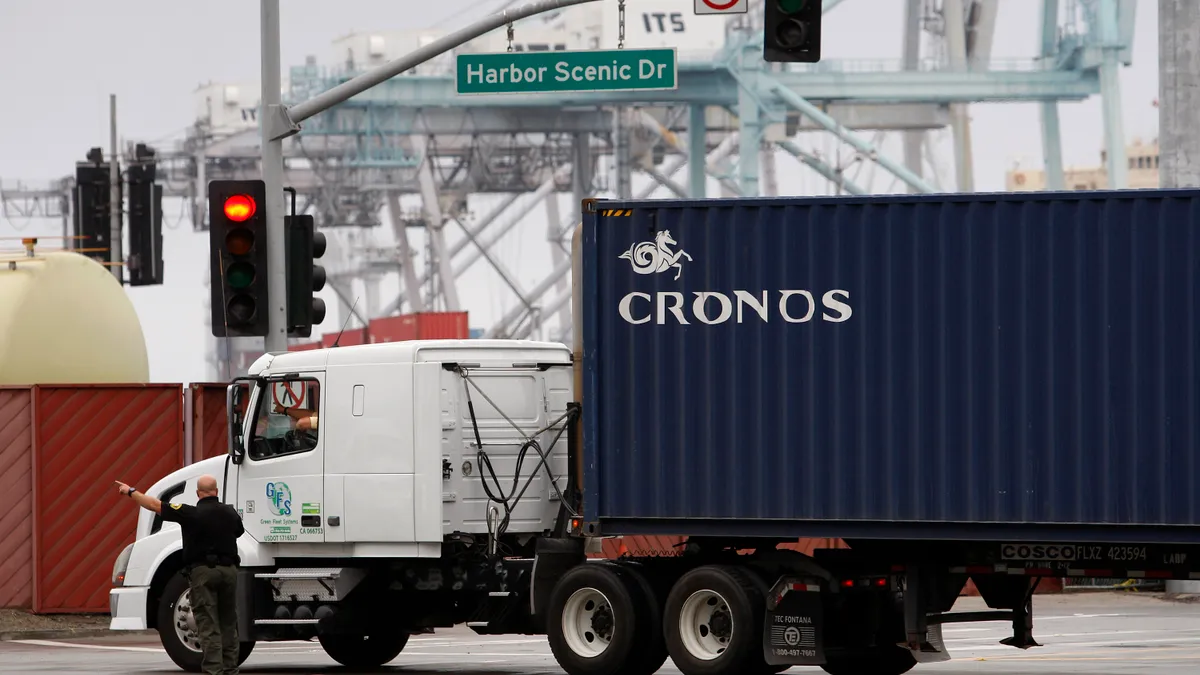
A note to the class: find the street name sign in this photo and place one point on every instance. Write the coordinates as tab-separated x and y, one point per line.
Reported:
722	6
567	71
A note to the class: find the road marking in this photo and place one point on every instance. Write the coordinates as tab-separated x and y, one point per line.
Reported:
1067	647
452	642
1037	618
1042	636
474	655
72	645
1097	655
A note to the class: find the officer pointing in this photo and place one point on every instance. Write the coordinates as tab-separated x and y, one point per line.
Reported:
210	558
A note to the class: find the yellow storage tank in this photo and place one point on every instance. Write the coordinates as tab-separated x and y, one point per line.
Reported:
64	319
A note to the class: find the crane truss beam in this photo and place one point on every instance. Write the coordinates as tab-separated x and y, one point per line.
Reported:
714	84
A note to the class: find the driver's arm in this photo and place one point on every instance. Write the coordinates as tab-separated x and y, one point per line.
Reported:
307	423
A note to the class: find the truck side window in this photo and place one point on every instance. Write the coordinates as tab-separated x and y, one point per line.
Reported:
286	421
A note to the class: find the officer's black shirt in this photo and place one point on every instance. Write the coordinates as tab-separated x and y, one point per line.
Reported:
210	528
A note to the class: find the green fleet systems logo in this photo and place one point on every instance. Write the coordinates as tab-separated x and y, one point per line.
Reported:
280	498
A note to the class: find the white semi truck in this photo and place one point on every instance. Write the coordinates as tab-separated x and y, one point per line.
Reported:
429	463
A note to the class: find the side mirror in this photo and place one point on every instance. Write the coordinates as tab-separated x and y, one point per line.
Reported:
234	395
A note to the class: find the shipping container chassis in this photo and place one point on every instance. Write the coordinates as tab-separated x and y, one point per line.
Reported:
714	606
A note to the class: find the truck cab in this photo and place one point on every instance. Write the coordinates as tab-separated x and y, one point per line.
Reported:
407	458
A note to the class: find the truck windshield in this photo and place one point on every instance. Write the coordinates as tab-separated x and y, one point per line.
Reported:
286	420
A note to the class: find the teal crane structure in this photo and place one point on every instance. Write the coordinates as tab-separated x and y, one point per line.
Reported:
401	124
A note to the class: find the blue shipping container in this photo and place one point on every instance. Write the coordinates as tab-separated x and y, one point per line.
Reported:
1001	366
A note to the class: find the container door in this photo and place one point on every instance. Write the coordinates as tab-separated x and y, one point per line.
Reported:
281	481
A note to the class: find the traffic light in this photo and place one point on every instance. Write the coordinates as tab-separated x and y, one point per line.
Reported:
145	259
92	202
237	243
304	277
792	31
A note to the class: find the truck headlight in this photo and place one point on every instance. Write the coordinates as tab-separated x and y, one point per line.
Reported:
119	567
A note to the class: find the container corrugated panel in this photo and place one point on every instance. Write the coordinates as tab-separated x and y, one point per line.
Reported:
394	328
1046	586
639	546
351	337
210	424
807	546
16	497
442	326
659	546
895	366
420	326
86	436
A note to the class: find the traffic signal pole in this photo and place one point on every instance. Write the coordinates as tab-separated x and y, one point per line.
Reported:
279	122
272	173
115	252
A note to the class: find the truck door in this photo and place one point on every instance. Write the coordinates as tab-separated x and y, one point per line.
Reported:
280	482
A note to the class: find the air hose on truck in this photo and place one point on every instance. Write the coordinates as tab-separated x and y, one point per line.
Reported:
508	502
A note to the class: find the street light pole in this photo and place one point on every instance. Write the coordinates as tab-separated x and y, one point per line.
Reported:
279	122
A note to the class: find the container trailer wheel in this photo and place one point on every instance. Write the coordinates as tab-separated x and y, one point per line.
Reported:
598	621
362	651
652	645
713	622
177	627
883	660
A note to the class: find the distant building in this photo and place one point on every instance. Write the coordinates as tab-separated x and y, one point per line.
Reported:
1143	172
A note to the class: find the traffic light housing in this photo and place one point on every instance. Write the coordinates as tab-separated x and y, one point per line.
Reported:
304	277
145	259
92	207
792	31
237	243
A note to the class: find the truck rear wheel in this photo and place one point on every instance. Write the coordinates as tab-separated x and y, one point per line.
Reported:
884	660
651	643
598	622
363	651
177	626
713	622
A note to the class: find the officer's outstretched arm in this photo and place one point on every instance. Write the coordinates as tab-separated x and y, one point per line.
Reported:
143	500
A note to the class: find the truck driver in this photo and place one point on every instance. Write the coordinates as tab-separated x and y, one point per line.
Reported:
304	419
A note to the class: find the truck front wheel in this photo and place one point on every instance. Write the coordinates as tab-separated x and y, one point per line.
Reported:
360	652
177	626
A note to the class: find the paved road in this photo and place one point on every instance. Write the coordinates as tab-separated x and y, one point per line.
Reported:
1093	634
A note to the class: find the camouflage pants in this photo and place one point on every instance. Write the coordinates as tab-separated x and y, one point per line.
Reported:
214	605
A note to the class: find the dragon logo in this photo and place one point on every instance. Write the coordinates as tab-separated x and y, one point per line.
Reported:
655	257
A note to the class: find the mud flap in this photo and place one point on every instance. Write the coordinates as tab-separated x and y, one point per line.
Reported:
793	632
933	640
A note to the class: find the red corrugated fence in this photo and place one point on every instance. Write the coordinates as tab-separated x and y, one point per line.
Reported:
210	427
16	497
86	437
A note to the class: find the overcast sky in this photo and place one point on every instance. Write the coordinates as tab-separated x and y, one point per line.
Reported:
60	59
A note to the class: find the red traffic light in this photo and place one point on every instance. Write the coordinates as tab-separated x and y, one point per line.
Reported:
240	208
